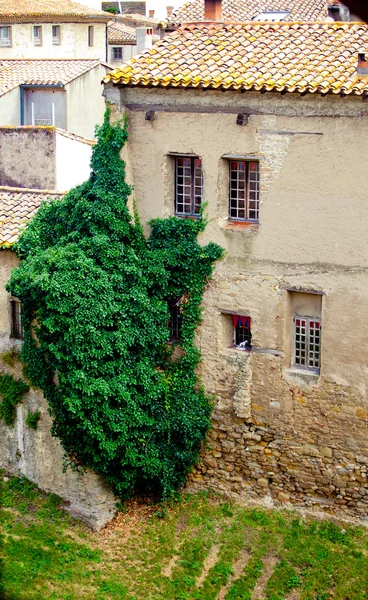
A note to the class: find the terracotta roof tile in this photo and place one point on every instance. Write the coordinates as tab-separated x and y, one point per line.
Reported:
283	57
120	34
21	10
239	10
17	207
14	72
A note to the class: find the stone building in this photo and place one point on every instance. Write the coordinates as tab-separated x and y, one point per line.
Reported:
267	124
52	29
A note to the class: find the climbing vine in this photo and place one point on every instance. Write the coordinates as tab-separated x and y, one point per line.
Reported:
95	296
11	392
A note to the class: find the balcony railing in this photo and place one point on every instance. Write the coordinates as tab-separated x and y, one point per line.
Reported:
5	42
37	41
56	40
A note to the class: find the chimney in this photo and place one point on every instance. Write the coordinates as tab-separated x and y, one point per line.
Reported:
169	10
362	64
144	38
151	14
213	10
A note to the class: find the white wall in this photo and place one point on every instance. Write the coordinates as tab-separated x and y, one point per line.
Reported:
74	42
72	161
85	103
10	108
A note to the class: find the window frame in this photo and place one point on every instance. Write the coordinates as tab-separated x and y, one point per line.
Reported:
16	330
91	36
309	320
247	191
56	37
37	37
246	324
193	186
113	52
9	38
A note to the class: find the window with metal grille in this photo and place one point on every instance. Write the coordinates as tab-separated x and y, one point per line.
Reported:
5	37
244	190
117	53
176	319
242	332
37	35
90	35
56	35
307	342
188	186
16	319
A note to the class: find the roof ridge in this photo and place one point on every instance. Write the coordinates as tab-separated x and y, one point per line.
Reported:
30	190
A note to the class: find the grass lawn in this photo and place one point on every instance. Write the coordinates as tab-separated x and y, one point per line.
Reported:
202	548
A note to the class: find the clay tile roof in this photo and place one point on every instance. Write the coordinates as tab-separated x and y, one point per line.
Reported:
17	207
281	57
23	10
240	10
14	72
120	34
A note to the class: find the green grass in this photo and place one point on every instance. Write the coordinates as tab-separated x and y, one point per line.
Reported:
153	553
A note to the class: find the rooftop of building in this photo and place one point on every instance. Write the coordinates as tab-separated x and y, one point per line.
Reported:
120	34
57	72
17	207
240	11
30	10
281	57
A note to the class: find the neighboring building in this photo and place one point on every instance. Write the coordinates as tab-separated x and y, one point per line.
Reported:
250	10
51	29
122	42
62	93
126	6
340	12
267	124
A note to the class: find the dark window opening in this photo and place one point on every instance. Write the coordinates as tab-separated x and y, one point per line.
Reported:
188	186
242	332
90	35
16	320
117	53
176	319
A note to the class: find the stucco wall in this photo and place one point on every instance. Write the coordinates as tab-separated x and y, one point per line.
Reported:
36	167
277	433
34	453
74	41
10	108
85	103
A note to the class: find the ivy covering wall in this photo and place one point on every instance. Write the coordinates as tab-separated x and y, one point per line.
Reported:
95	296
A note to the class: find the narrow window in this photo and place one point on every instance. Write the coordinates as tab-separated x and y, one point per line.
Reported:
90	35
56	35
16	319
117	53
242	332
175	320
188	186
37	35
244	190
307	342
5	37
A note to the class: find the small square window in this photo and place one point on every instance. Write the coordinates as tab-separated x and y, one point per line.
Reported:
37	35
117	53
56	40
244	190
242	332
188	186
16	319
5	37
307	343
90	35
176	319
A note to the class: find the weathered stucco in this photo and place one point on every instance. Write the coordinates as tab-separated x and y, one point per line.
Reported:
85	103
73	43
277	433
34	453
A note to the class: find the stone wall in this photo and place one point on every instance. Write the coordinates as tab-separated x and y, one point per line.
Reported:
38	456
